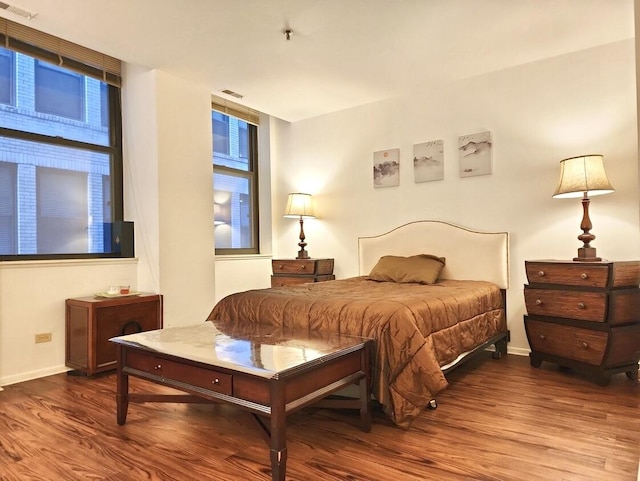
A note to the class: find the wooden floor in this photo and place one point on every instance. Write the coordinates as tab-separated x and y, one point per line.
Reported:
498	420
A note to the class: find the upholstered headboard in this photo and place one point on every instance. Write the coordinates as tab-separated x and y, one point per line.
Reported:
470	255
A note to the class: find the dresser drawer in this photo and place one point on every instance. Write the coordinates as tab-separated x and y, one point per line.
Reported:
582	275
283	281
569	342
302	266
205	378
586	306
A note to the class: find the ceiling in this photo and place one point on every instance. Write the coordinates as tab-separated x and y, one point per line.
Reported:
342	53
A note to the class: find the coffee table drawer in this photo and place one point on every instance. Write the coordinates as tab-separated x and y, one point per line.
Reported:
205	378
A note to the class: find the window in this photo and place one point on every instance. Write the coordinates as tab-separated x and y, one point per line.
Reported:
61	168
8	222
243	141
6	76
59	91
220	125
62	211
104	104
235	181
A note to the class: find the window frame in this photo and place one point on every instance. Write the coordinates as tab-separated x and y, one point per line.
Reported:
252	175
114	150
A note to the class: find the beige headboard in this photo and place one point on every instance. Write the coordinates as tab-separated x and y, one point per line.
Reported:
470	255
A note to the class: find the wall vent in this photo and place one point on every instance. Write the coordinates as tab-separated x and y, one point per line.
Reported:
17	11
232	93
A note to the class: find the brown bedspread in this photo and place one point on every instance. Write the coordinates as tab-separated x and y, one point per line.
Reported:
417	328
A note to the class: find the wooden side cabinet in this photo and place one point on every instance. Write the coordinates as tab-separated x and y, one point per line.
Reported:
584	316
92	321
289	272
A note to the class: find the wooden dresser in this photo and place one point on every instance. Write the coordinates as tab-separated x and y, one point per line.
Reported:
584	316
289	272
92	321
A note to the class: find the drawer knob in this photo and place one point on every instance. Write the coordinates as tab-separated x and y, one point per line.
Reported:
584	276
302	266
541	274
542	337
584	345
159	366
538	302
582	305
216	381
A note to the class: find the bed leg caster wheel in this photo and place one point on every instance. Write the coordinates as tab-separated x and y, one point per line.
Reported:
432	404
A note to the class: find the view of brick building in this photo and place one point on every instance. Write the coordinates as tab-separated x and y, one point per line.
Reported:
53	198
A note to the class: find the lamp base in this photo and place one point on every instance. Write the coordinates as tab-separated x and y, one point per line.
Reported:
303	254
587	254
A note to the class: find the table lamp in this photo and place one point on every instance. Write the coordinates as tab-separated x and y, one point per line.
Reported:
583	176
300	205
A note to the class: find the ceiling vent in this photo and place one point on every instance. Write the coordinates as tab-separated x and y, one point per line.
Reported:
232	93
17	11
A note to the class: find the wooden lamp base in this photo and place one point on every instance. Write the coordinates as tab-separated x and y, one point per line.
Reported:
586	253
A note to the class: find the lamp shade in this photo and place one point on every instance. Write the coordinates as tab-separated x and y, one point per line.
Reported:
580	175
299	205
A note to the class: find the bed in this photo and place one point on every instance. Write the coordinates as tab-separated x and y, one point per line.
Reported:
422	329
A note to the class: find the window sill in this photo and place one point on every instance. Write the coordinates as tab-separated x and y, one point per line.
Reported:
242	257
66	262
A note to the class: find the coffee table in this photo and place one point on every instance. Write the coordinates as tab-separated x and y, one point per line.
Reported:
269	371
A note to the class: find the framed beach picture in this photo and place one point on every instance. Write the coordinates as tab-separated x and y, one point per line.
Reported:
386	168
474	153
428	161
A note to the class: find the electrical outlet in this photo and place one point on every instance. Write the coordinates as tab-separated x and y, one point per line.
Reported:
44	337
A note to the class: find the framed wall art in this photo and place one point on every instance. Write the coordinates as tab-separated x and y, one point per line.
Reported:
474	153
386	168
428	161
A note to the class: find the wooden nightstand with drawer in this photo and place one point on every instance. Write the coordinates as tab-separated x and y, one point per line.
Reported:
92	321
289	272
584	316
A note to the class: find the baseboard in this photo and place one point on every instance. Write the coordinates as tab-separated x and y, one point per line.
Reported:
518	351
30	375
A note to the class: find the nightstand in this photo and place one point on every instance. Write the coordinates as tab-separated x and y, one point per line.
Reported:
289	272
92	321
584	316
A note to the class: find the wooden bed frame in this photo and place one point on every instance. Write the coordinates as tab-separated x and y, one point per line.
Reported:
469	254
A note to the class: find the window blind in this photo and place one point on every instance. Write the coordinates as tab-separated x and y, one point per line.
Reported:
40	45
228	107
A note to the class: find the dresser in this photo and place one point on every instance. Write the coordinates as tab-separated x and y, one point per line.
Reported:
584	316
289	272
92	321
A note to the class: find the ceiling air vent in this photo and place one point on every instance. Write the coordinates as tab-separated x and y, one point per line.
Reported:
232	93
17	11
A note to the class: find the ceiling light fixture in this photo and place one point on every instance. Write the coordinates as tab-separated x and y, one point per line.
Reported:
287	33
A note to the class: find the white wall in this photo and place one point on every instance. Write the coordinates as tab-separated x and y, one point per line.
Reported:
32	295
168	195
538	114
168	189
